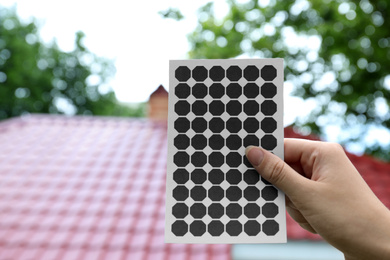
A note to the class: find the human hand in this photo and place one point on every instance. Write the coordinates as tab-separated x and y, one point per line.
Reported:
325	194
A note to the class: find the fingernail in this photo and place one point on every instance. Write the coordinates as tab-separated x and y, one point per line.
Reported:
255	155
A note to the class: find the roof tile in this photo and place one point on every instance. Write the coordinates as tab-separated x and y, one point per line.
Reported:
90	187
86	188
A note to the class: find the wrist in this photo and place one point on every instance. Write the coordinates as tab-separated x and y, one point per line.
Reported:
375	241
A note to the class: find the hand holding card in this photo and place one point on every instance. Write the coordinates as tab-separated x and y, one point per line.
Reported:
327	195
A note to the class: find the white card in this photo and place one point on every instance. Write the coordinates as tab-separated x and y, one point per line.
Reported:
216	109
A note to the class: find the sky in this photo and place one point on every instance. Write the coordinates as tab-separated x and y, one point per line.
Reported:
133	35
140	42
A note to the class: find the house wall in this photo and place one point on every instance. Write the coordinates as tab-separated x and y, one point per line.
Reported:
293	250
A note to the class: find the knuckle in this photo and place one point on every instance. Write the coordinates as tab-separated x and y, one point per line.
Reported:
335	147
276	174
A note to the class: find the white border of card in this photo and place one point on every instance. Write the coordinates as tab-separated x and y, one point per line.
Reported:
280	218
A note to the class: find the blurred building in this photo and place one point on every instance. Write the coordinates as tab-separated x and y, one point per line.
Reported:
94	188
158	105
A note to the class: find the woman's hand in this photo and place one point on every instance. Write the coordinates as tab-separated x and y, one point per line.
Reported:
325	194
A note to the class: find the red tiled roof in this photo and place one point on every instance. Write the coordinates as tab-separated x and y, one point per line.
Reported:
94	187
86	188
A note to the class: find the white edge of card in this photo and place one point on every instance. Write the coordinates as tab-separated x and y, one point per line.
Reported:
281	237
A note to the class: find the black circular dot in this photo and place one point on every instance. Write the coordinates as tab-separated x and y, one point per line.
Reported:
268	90
234	159
216	176
217	90
251	90
217	73
233	90
199	90
180	210
234	193
268	73
234	73
251	125
216	142
268	142
252	228
198	193
199	73
198	210
198	176
181	142
216	125
197	228
181	176
233	210
198	159
251	177
251	140
180	193
251	107
234	228
182	124
233	176
268	107
251	193
252	210
182	73
268	125
216	159
199	142
270	227
199	125
182	108
199	107
234	107
181	159
216	107
216	193
233	125
270	210
251	73
234	142
216	210
269	193
179	228
215	228
182	90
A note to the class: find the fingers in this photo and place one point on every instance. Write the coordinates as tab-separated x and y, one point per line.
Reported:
276	171
300	219
309	157
301	155
297	149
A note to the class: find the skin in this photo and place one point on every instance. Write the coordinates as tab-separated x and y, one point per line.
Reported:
325	194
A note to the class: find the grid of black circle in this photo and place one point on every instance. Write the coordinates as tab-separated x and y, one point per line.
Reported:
216	142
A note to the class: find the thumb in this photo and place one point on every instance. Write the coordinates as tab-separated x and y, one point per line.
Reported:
276	171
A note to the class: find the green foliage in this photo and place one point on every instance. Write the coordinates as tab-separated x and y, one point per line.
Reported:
172	13
39	78
336	53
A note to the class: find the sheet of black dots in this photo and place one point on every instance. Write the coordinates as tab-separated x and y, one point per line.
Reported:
216	109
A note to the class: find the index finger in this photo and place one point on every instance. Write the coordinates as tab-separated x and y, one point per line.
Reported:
301	154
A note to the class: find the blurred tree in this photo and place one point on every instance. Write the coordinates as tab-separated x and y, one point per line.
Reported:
40	78
172	13
336	53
